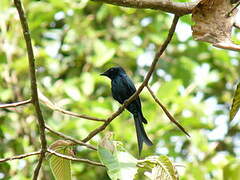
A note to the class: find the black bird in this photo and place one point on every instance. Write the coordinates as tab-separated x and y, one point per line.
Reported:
123	88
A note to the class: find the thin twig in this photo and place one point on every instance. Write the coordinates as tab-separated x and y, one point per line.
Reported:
54	107
236	25
171	118
20	156
34	92
231	11
63	36
75	159
144	83
79	115
70	138
15	104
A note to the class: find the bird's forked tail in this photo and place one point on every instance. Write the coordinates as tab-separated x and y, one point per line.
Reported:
141	134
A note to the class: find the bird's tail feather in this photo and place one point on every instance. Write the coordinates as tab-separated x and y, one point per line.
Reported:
141	134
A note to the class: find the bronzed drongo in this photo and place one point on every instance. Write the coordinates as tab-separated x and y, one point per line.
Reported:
122	88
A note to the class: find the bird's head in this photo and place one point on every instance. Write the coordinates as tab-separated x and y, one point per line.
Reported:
113	72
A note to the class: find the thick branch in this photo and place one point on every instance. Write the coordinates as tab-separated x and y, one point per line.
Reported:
178	8
144	83
171	118
54	107
20	156
75	159
70	138
15	104
34	92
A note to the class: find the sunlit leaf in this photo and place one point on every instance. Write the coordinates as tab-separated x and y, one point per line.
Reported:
235	103
231	170
120	164
61	168
161	168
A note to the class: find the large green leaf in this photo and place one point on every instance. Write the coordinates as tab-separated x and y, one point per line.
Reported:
61	168
168	168
235	103
120	164
161	168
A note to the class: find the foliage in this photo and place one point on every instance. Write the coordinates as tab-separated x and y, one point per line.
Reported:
61	168
123	166
235	103
74	41
162	168
120	164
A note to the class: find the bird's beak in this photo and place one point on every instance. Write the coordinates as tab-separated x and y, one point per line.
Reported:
103	74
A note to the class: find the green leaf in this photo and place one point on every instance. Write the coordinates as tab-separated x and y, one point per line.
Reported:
162	168
120	164
168	168
231	170
235	103
110	161
61	168
102	13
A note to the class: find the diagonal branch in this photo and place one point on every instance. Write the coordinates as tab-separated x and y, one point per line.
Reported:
34	92
54	107
144	83
20	156
75	159
171	118
231	11
15	104
236	25
70	138
177	8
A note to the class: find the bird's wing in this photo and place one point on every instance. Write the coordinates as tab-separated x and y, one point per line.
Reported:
129	84
125	89
122	88
131	88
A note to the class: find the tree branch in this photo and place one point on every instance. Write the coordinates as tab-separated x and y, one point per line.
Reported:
236	25
171	118
75	159
15	104
144	83
70	138
54	107
231	11
228	46
34	92
20	156
177	8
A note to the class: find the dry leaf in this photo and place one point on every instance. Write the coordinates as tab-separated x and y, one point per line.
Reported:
212	23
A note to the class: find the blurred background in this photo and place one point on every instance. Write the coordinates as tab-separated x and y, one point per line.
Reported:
74	41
